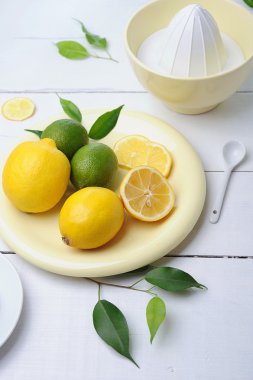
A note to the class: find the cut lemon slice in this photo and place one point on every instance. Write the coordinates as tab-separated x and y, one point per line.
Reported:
135	150
18	109
147	194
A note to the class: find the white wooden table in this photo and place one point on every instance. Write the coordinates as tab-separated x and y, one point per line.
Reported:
208	335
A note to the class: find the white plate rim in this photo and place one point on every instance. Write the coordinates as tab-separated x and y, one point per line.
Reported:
21	301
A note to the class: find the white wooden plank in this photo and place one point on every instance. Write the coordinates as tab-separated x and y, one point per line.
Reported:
53	19
208	132
207	334
29	59
248	85
36	64
232	236
33	64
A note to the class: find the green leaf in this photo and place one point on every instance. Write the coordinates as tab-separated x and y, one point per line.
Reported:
155	313
111	326
105	124
93	39
36	132
72	50
249	3
82	25
97	41
172	279
71	109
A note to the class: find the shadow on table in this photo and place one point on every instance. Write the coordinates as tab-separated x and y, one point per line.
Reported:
181	247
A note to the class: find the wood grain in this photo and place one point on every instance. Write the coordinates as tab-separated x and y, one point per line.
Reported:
28	52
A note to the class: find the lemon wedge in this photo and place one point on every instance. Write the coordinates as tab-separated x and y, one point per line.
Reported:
18	109
136	150
147	194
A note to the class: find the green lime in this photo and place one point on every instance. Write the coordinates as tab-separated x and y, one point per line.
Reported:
93	165
69	135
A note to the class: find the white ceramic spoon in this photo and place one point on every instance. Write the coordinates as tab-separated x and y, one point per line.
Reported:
233	154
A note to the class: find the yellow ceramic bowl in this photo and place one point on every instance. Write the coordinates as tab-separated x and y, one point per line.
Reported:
191	95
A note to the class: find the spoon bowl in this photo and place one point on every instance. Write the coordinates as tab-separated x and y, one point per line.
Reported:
233	153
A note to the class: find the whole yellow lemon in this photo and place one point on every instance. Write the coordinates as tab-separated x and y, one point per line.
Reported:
91	217
36	175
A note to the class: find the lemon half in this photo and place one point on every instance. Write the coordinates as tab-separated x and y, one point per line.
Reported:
136	150
147	194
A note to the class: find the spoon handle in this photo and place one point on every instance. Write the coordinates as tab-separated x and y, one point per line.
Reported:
216	210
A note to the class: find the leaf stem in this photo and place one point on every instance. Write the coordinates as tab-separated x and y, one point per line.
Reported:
203	287
109	58
99	291
151	293
109	55
135	283
120	286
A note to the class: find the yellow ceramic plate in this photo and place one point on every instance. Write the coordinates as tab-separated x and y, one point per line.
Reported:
37	239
